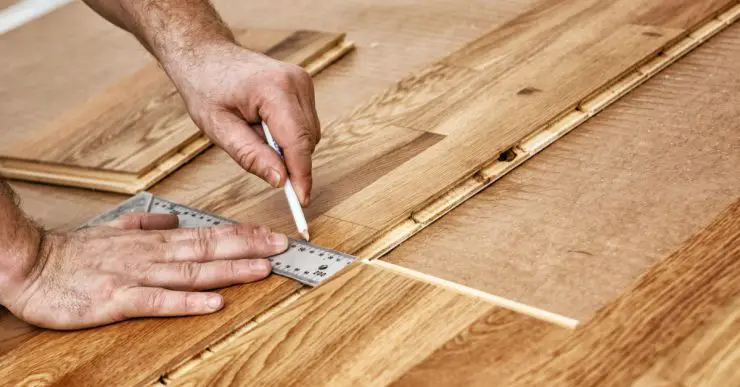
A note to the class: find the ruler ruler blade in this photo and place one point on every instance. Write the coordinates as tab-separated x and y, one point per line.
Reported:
304	262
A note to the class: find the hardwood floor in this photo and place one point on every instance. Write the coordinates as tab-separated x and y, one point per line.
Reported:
573	227
677	323
368	326
370	158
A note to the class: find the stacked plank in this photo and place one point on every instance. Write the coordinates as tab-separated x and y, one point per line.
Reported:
138	130
406	157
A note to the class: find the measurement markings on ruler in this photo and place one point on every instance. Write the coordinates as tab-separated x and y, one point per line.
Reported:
303	261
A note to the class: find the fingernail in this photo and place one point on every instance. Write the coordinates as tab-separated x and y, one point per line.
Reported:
278	240
274	177
306	199
262	265
214	302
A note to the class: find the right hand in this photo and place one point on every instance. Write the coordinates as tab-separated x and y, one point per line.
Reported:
136	266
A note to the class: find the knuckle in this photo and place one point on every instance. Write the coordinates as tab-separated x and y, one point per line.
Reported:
154	300
247	158
304	141
190	272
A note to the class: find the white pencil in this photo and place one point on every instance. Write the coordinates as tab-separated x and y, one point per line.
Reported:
295	205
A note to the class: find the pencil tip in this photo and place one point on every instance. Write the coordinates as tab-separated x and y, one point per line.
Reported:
305	235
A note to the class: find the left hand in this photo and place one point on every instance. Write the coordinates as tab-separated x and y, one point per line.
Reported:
227	88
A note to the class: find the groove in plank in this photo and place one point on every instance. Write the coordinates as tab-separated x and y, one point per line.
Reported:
666	306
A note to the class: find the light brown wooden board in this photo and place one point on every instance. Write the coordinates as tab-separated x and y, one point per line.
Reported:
138	130
574	226
708	357
494	347
393	41
666	311
367	326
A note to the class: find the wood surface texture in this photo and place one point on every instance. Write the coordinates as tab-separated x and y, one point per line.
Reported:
570	229
138	130
394	38
677	324
495	347
368	326
379	146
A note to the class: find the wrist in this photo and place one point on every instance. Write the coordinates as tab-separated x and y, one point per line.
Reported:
22	243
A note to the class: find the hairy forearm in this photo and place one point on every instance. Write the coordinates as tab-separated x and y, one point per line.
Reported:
19	239
172	30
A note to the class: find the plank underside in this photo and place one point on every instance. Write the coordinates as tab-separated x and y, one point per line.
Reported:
138	131
573	227
677	325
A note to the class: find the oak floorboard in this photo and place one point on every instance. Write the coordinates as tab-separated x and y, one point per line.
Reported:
708	357
135	351
571	228
665	311
495	347
365	326
490	118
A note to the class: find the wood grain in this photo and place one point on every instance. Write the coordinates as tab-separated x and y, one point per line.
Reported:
135	351
495	347
491	118
708	357
573	227
669	305
332	335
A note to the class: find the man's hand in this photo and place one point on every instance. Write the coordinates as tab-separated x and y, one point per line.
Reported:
137	266
227	88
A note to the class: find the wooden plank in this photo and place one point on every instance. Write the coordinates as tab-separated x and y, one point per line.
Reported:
708	357
668	304
331	335
138	130
494	347
493	117
571	228
350	157
136	351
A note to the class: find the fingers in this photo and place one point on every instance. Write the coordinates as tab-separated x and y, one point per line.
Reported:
221	243
145	221
247	147
158	302
288	124
207	275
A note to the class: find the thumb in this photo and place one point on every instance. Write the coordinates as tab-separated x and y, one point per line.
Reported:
247	148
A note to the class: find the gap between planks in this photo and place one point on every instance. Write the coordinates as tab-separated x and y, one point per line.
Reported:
484	177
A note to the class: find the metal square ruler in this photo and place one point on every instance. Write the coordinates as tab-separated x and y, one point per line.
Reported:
304	262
